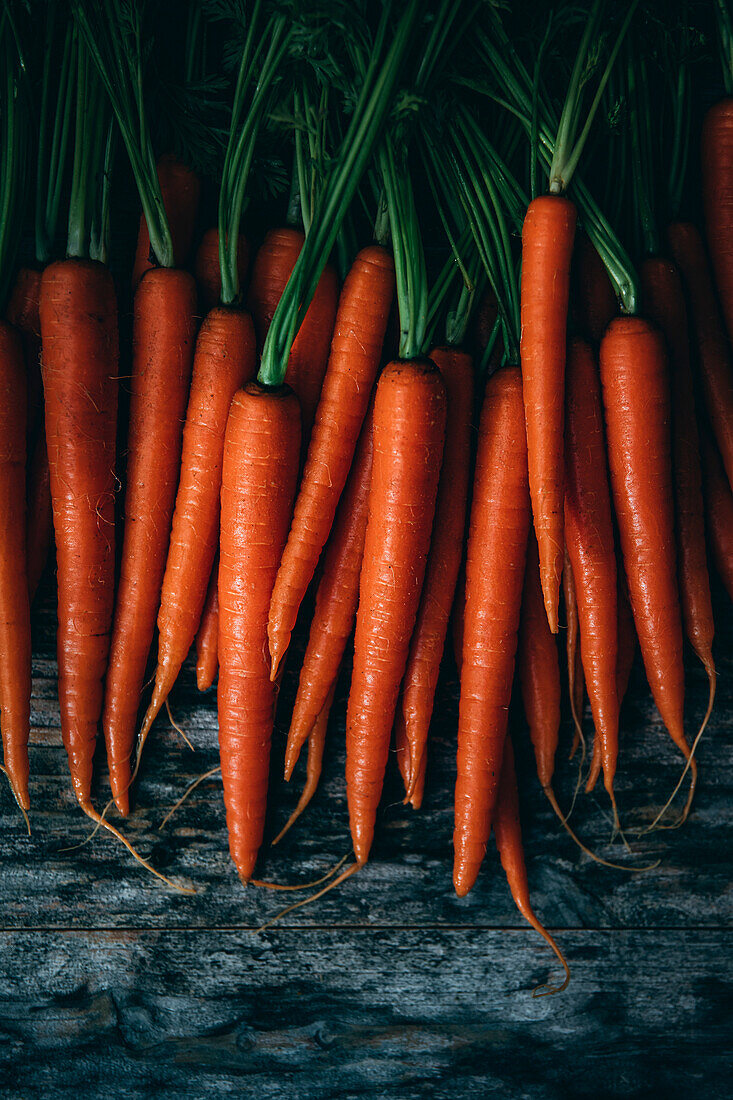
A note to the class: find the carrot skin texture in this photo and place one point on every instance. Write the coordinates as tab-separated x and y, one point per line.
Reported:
590	546
538	668
717	192
208	270
594	298
207	635
224	361
409	433
15	623
181	191
636	400
576	682
356	350
80	351
719	513
163	340
444	561
664	303
713	352
547	248
309	354
495	564
336	599
261	458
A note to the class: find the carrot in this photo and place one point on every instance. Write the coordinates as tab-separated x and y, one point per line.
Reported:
576	683
15	624
446	550
717	191
336	600
23	312
719	513
224	361
208	271
39	515
626	640
316	747
665	305
356	350
181	190
309	354
508	835
634	378
459	604
547	248
79	338
497	547
409	432
592	293
589	540
163	337
260	470
539	670
714	359
207	636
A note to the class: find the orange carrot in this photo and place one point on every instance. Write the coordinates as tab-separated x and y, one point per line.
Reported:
181	190
316	747
15	623
260	470
634	377
309	354
79	337
352	368
409	432
664	303
719	513
497	548
207	636
446	550
208	271
714	356
163	338
576	683
336	600
547	248
717	192
593	295
626	640
23	312
39	515
457	615
589	540
508	834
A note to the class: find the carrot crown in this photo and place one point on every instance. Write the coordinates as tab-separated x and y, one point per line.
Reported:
13	148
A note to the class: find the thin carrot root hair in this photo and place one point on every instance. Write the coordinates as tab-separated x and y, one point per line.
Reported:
314	897
176	727
548	990
24	812
303	886
587	851
189	790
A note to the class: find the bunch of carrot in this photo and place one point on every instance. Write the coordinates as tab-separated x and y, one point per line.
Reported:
299	446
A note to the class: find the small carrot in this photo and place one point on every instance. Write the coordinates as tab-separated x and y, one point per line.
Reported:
593	295
259	475
336	600
428	640
409	432
181	190
497	548
316	748
208	271
719	513
716	162
39	514
547	248
626	640
356	351
15	625
576	682
207	636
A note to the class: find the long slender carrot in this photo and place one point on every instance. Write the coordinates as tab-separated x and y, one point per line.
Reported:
309	354
626	640
409	432
446	550
224	361
356	350
594	299
719	513
79	337
714	357
181	191
717	192
163	340
497	548
664	303
207	635
589	540
260	470
547	248
314	767
576	681
15	624
508	835
636	400
39	515
208	271
336	600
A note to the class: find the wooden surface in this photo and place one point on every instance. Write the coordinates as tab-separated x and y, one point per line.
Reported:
389	986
